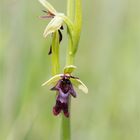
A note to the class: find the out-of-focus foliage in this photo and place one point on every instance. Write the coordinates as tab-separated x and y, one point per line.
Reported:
108	61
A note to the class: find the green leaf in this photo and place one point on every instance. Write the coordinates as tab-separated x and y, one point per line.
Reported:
52	80
69	69
79	84
53	26
48	6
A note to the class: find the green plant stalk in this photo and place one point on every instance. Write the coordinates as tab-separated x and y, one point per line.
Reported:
74	12
66	131
70	54
77	25
71	15
55	54
66	128
70	9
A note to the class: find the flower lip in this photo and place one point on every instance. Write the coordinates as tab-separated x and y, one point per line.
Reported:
60	107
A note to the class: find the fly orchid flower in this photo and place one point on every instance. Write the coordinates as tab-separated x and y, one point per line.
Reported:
57	18
63	84
56	24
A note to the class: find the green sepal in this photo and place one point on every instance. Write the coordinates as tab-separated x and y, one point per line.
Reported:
53	26
69	69
52	80
48	6
79	84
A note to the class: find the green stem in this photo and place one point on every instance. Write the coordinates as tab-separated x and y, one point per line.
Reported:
66	130
78	14
65	133
70	9
70	55
74	13
77	24
55	53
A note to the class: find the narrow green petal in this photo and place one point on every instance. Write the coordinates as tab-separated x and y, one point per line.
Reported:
69	69
79	84
54	25
52	80
48	6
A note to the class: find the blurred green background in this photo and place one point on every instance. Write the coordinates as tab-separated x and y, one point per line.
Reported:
108	61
